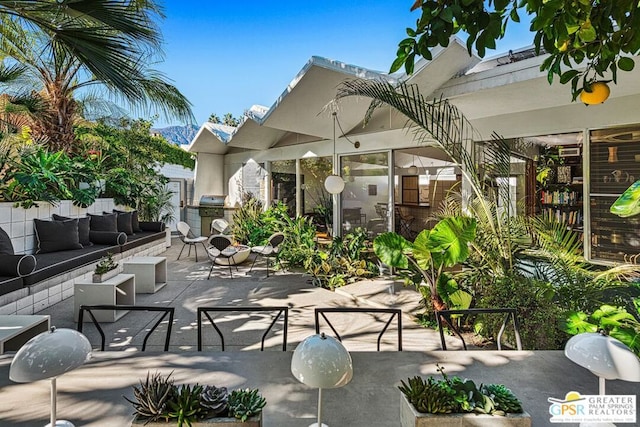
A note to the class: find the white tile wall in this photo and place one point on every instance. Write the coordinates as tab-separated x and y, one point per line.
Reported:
18	222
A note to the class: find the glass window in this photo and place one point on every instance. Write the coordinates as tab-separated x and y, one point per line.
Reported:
615	166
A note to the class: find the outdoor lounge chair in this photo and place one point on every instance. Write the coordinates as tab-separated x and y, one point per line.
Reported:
188	238
221	247
220	226
270	250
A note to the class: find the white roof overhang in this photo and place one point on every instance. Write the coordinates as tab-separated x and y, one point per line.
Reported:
520	87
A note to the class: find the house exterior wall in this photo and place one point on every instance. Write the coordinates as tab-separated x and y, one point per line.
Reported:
209	176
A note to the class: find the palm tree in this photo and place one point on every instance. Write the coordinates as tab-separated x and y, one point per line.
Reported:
61	78
103	35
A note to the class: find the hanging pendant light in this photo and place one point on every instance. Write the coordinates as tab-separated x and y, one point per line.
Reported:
413	169
334	184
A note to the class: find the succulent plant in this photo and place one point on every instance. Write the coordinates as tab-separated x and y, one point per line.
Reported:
246	403
152	397
453	394
215	400
184	405
429	396
504	398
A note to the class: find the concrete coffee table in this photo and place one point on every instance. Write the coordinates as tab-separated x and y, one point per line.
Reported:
150	271
17	329
119	290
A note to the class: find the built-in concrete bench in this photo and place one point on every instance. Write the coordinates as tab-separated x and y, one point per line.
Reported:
48	278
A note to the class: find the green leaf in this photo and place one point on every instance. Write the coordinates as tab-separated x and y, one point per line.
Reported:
626	64
447	15
514	15
568	75
391	248
577	323
460	300
587	34
449	239
399	61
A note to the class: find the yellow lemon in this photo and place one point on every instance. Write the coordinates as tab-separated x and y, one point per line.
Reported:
599	93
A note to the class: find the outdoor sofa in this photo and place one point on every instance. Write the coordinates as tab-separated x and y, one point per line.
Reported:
65	244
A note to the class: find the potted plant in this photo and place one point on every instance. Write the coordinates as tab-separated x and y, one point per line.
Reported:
105	269
159	402
155	205
435	402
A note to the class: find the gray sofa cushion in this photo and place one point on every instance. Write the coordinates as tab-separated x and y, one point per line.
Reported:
17	265
107	222
124	222
113	238
54	263
54	236
83	228
6	247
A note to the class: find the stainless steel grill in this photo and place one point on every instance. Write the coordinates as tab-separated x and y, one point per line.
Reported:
210	207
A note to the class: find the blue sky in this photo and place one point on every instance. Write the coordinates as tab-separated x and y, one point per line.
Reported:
225	56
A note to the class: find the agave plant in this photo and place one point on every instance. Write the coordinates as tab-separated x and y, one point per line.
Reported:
152	397
184	405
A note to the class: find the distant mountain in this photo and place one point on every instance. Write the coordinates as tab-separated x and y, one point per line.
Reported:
179	135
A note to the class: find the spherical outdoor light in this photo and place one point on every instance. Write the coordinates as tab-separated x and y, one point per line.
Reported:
334	184
599	93
323	362
49	355
605	356
413	170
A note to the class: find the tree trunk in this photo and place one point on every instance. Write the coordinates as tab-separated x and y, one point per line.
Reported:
55	125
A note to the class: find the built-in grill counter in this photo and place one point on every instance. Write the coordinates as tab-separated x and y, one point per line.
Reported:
209	208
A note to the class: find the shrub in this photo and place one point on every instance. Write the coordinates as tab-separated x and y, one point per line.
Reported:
538	316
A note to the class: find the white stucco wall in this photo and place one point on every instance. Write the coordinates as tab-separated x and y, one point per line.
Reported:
209	173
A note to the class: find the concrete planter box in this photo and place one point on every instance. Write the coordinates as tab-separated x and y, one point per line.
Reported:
409	417
255	421
99	278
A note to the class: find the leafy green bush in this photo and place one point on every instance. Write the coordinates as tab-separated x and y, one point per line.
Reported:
347	260
538	316
248	226
615	321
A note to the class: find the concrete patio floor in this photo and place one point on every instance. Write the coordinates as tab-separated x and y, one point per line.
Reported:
93	394
188	288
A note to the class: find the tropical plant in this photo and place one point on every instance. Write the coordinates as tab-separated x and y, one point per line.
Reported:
103	35
345	261
615	321
33	174
456	395
299	241
506	246
433	251
60	77
600	33
248	226
155	204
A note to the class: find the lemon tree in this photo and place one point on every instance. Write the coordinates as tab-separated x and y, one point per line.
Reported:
587	40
